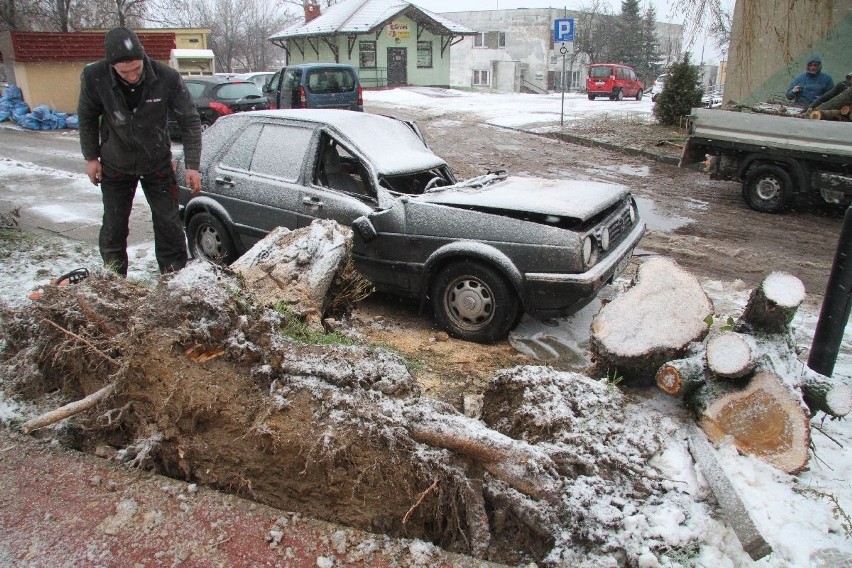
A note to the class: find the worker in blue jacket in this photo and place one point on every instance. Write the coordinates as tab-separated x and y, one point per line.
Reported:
809	85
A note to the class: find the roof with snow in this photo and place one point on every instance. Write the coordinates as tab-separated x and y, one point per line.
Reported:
363	16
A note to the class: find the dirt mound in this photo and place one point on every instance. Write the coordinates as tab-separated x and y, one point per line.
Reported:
208	388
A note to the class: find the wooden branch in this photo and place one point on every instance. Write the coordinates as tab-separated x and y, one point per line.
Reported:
731	355
82	340
773	304
830	395
682	376
68	410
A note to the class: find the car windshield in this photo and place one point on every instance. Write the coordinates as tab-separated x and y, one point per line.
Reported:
234	91
599	72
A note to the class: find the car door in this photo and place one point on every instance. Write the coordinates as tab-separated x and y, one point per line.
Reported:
322	198
258	177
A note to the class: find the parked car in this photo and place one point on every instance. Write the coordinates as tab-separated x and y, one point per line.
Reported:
218	96
315	85
481	252
614	81
259	78
659	83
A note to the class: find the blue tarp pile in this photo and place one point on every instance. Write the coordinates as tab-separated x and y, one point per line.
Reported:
12	106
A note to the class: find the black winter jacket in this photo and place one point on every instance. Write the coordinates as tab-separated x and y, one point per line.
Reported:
137	142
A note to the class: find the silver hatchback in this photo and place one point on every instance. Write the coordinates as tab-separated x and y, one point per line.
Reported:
481	251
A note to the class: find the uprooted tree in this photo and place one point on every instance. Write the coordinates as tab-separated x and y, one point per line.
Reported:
196	379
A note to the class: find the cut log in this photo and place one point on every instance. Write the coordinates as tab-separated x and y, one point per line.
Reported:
766	419
653	322
830	395
773	304
731	355
828	115
682	376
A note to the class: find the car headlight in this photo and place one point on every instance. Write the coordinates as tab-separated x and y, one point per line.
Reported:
605	239
588	250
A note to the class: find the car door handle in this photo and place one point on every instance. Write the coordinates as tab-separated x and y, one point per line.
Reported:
312	201
224	180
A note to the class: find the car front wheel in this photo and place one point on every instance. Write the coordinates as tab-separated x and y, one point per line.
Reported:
472	301
639	95
768	188
208	239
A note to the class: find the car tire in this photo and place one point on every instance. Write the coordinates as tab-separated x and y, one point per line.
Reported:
639	95
768	188
210	240
618	95
591	97
653	98
474	302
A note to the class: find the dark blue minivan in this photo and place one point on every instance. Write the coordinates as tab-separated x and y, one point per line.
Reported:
315	85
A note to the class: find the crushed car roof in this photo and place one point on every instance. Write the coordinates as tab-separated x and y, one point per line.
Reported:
391	145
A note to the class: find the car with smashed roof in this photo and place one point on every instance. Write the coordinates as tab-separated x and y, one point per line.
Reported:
481	252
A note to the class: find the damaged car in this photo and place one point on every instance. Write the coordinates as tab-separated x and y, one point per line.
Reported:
481	252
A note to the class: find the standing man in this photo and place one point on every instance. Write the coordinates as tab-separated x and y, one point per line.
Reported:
123	111
807	86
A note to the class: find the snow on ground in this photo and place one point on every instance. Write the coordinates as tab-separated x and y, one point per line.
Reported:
805	518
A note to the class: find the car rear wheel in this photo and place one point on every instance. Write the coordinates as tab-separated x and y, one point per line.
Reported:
768	188
210	240
472	301
591	97
618	95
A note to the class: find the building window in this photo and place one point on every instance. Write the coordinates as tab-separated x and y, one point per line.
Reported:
424	54
367	54
491	40
480	78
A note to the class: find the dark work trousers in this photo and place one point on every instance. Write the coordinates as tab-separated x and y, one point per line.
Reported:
160	190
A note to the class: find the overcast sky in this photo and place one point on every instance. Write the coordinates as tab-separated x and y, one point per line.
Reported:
665	13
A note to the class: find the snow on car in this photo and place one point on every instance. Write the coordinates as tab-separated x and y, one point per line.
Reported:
482	251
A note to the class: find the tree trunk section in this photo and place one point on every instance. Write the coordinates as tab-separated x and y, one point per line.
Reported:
765	419
731	355
682	376
773	304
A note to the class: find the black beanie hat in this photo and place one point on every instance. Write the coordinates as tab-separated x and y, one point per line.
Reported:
121	44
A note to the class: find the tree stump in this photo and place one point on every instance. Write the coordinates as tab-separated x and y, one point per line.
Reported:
765	419
653	322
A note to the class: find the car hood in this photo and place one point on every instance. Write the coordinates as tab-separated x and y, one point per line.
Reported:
565	198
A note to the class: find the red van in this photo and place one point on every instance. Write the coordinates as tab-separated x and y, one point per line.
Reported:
614	81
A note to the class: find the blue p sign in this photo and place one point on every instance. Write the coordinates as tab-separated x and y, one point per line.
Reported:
563	30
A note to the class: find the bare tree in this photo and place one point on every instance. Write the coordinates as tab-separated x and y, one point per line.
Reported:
594	31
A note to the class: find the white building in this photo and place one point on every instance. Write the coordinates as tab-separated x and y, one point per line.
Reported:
514	50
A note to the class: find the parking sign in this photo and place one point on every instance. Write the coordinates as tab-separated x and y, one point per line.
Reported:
563	30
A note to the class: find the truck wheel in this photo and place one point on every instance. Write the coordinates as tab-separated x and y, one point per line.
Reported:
210	240
472	301
768	189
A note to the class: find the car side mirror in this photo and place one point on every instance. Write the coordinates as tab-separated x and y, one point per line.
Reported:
365	229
